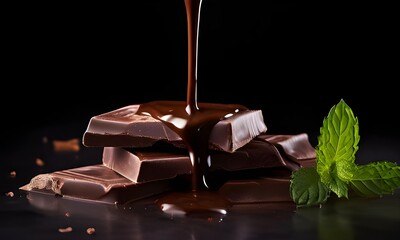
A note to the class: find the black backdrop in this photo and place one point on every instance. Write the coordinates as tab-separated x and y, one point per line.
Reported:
64	63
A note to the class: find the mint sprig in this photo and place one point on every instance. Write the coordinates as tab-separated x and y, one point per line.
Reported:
336	170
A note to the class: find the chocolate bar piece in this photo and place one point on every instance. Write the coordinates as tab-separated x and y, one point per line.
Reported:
272	184
95	183
258	190
296	147
124	128
143	165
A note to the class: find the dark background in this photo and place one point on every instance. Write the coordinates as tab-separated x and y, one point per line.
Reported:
64	63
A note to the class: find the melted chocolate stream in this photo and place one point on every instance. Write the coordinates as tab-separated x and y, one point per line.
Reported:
193	121
193	8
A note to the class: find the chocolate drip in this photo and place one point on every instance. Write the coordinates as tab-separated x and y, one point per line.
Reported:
193	123
194	129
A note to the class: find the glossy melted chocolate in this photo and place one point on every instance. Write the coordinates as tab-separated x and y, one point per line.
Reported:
193	123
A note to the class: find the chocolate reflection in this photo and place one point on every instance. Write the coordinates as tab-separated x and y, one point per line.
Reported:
143	219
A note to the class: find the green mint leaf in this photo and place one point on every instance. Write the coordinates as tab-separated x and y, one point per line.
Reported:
306	188
337	146
376	179
334	183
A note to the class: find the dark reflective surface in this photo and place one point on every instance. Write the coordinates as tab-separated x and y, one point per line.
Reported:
40	217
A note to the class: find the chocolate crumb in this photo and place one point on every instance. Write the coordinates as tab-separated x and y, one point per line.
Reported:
10	194
39	162
90	231
71	145
13	173
65	230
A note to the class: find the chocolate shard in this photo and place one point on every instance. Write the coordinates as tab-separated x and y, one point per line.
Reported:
95	183
124	128
152	164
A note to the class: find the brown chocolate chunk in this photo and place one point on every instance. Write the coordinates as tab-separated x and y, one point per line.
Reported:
124	128
144	165
94	183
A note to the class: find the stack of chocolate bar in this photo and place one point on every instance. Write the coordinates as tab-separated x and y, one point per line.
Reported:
142	157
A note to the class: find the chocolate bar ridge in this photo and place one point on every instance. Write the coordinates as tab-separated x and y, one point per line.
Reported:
124	128
296	147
